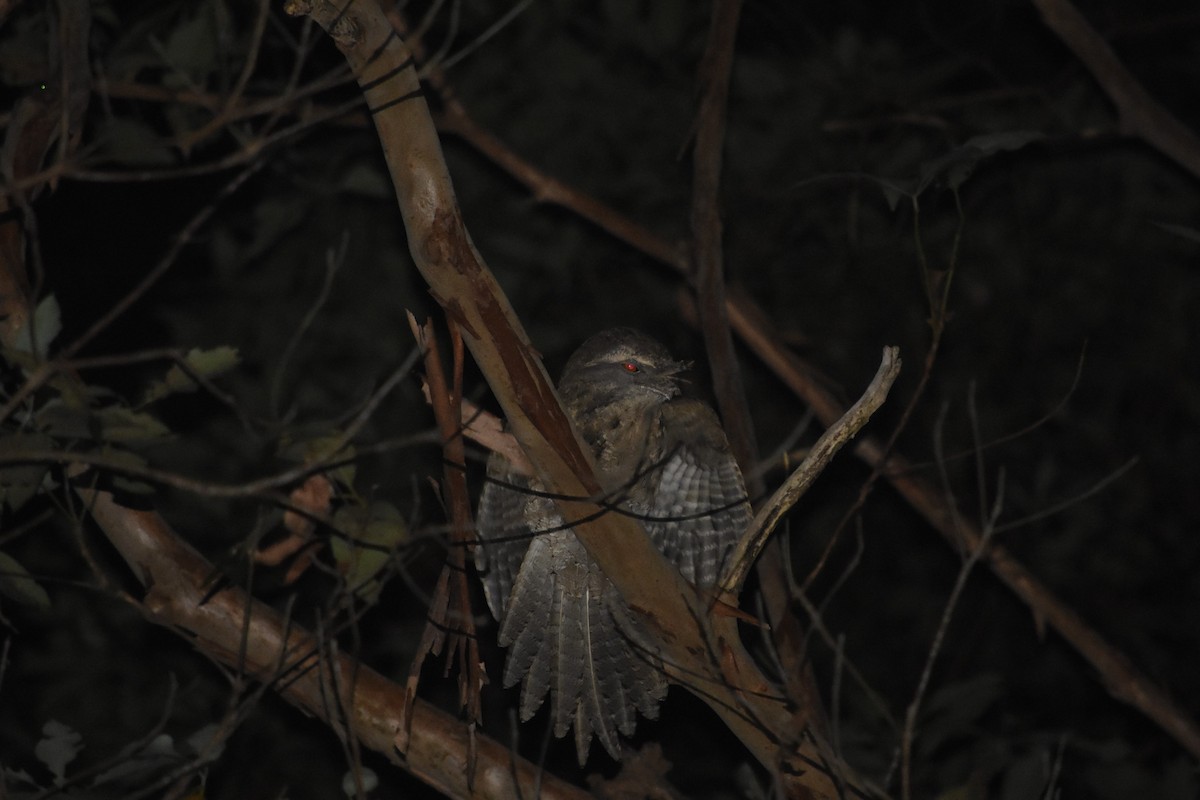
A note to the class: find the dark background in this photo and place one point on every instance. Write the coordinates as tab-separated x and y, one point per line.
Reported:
1071	342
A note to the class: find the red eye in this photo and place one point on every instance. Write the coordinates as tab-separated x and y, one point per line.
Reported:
630	366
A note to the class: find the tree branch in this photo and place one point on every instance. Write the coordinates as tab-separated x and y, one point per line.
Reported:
236	630
708	263
1139	114
705	655
826	447
1124	681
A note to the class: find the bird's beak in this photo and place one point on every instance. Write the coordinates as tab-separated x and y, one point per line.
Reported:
675	367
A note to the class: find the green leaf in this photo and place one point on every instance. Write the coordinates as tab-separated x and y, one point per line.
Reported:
64	420
323	448
131	460
205	363
369	537
46	324
119	424
16	583
131	485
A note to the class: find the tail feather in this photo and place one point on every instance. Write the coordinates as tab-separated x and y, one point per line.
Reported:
635	661
569	634
570	620
603	707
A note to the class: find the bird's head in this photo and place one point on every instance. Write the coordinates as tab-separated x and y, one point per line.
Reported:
620	366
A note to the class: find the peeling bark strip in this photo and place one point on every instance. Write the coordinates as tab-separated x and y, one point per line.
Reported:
457	276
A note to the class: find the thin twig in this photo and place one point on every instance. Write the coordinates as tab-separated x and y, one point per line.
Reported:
988	524
254	488
234	98
334	259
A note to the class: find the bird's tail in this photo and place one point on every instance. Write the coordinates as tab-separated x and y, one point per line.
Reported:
569	633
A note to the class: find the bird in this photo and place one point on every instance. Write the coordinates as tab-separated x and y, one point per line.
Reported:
664	460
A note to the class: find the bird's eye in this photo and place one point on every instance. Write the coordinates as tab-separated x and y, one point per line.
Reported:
631	366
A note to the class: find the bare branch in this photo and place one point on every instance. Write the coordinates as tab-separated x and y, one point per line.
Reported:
708	263
450	616
1139	114
837	435
244	634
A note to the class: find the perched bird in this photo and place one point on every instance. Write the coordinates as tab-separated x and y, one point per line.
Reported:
664	460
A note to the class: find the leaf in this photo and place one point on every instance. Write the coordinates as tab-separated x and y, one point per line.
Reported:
119	424
133	143
20	482
955	167
366	180
369	537
58	748
64	420
131	485
139	765
17	584
321	449
953	709
209	740
131	460
191	48
370	781
23	54
205	363
21	776
895	191
46	324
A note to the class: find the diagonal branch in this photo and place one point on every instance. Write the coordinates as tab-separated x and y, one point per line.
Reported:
244	634
834	438
462	284
1139	114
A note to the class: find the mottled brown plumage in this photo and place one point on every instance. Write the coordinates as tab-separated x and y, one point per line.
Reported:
665	460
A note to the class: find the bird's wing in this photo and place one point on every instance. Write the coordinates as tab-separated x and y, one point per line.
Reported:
697	505
569	633
502	531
